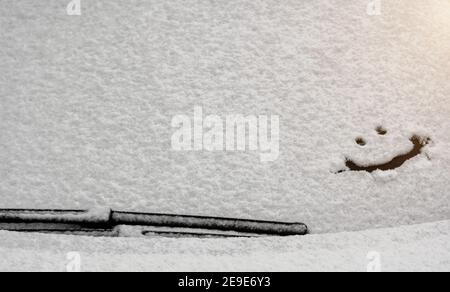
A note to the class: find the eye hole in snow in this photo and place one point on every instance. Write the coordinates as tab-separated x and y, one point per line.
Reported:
360	141
381	130
418	144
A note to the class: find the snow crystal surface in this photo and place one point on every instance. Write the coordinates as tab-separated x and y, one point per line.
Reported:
413	248
86	104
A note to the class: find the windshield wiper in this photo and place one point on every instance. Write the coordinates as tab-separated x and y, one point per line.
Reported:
106	222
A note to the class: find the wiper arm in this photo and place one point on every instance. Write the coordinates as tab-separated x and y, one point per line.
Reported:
105	222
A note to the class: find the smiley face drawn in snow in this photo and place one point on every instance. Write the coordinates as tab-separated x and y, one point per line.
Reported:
417	143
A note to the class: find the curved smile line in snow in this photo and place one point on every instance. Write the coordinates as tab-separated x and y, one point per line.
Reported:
418	142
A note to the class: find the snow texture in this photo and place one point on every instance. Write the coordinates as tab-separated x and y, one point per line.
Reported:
86	104
413	248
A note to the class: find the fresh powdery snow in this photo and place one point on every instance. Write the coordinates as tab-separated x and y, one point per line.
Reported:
413	248
87	105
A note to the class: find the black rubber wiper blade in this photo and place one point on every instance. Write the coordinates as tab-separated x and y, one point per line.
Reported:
106	222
